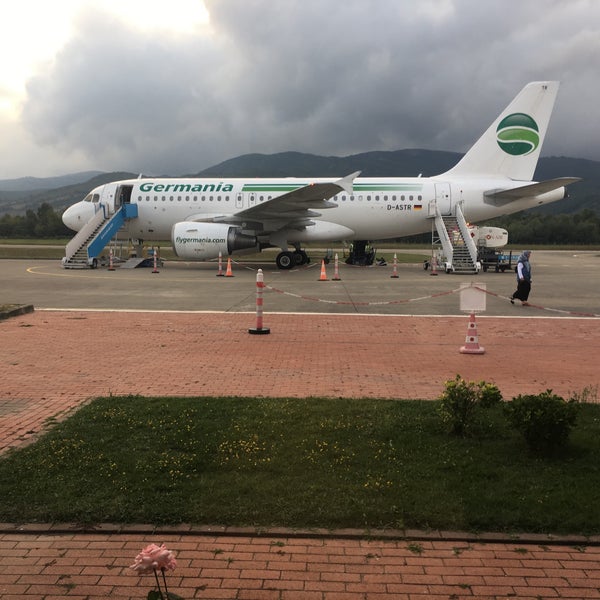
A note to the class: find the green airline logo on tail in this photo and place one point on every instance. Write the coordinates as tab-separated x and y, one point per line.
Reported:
518	134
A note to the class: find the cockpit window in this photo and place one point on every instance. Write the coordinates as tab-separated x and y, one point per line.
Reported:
92	198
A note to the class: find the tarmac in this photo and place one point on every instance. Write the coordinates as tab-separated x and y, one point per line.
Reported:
183	331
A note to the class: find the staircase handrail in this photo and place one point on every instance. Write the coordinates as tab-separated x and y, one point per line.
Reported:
84	233
444	237
106	232
466	234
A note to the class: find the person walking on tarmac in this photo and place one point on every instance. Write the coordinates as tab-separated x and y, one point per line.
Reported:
523	279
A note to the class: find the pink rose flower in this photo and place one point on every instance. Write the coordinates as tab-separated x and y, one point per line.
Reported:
154	558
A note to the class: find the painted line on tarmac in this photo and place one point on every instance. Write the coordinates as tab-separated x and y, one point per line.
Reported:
569	313
351	303
573	313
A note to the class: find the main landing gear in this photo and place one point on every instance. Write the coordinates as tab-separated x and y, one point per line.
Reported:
290	259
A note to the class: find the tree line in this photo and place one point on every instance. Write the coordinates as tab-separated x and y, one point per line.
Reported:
43	223
537	228
523	228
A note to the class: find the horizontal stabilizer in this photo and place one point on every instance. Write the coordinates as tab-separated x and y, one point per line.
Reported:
530	190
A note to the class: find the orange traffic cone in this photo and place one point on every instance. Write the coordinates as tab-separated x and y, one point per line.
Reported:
228	273
472	341
323	276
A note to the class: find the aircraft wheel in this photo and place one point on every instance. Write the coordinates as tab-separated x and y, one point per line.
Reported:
301	258
285	260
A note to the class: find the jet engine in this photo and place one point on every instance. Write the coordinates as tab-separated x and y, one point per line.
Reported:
203	241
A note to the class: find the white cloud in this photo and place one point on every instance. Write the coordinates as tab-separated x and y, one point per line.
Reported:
305	75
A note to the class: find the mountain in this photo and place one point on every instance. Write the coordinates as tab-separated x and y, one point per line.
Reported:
400	163
18	202
407	163
26	184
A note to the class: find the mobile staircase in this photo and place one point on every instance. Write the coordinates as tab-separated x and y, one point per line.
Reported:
83	250
457	244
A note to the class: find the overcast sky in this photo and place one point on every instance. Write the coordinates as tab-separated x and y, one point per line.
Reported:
176	86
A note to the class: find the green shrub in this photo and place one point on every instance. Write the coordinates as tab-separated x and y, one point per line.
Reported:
545	420
461	400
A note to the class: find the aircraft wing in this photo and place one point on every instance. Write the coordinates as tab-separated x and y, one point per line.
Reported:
532	189
293	209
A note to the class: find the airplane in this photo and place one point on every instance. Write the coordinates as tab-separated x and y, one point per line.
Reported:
205	218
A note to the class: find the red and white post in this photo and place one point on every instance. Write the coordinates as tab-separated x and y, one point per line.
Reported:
155	255
433	265
220	271
259	329
336	272
394	274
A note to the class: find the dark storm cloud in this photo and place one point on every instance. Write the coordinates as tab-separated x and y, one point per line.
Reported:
316	76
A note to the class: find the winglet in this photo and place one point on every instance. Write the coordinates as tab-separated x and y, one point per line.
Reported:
346	183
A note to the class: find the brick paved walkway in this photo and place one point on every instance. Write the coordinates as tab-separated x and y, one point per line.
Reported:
242	567
51	362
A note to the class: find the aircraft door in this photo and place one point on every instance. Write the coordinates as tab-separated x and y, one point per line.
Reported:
443	198
239	201
123	196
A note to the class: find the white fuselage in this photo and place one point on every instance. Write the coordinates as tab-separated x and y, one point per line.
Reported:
379	208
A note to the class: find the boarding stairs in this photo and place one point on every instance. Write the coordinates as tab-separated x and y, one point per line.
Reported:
457	244
82	251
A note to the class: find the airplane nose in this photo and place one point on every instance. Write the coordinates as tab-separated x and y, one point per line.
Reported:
76	216
69	218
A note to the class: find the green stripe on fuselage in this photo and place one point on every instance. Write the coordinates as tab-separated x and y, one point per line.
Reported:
387	187
271	187
358	187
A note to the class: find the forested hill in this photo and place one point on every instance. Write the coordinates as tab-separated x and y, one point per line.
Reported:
399	163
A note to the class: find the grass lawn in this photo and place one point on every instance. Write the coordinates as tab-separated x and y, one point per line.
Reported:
300	463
